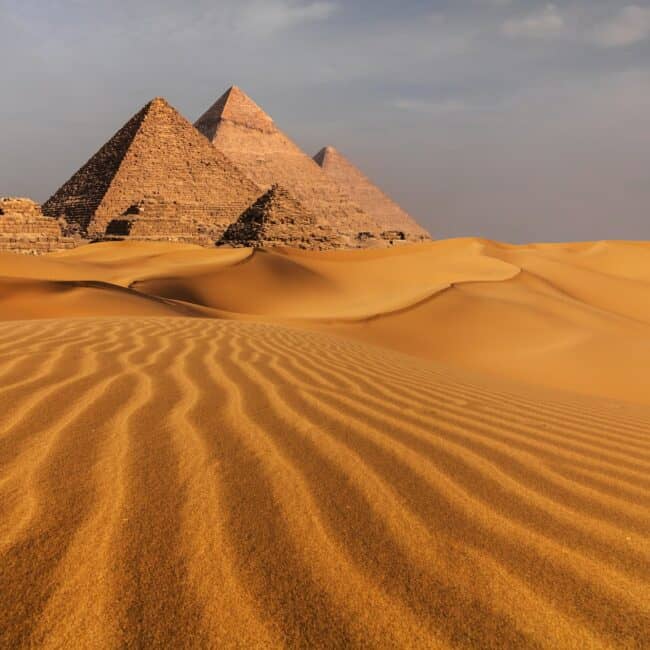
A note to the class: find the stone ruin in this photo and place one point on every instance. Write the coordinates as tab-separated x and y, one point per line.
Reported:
24	229
278	219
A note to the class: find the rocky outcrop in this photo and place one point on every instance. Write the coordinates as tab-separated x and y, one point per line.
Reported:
158	154
278	219
24	229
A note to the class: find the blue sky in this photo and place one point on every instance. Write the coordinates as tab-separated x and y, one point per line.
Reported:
509	119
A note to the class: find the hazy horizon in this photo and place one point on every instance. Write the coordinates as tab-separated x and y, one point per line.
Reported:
508	119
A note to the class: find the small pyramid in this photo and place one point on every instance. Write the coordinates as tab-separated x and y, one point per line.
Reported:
156	155
388	215
239	128
24	229
278	219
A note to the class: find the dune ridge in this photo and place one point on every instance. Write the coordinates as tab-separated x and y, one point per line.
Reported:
252	484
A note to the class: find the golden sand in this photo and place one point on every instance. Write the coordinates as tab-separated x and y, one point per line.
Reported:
445	445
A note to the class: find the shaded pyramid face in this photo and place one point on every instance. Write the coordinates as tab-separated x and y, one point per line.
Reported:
156	155
388	215
248	136
278	219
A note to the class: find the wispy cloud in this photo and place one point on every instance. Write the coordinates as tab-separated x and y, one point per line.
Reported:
431	107
631	25
546	23
270	16
445	106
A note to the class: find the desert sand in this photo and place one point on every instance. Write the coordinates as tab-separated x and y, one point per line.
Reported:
438	445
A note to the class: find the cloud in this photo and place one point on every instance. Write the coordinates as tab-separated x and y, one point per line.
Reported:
496	3
445	107
632	25
269	16
431	107
541	24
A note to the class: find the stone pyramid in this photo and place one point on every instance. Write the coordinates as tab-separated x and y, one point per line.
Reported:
24	229
248	136
158	158
153	219
278	219
388	215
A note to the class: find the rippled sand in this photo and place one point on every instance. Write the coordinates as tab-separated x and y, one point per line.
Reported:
213	449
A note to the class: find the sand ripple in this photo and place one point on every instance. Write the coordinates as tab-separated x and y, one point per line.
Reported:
173	482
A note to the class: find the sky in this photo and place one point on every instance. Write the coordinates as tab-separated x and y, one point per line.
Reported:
508	119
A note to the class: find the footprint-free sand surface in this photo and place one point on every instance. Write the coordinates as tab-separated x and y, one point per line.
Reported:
444	445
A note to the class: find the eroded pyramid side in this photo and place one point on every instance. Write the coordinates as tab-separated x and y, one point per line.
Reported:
24	228
390	217
78	198
278	219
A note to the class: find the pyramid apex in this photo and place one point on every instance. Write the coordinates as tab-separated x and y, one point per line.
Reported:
237	107
324	153
159	101
157	105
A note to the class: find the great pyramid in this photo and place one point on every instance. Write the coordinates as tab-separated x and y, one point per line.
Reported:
24	229
278	219
160	160
248	136
388	215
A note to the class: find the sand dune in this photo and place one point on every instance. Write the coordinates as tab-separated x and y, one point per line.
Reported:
26	298
330	286
571	316
438	446
252	482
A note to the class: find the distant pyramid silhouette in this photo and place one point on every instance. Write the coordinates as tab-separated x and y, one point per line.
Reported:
279	219
157	157
388	215
248	136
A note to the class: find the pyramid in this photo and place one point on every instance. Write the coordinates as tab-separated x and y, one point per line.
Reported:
279	219
24	229
388	215
248	136
158	158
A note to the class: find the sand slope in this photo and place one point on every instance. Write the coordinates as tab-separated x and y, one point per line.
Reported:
251	482
573	316
437	446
